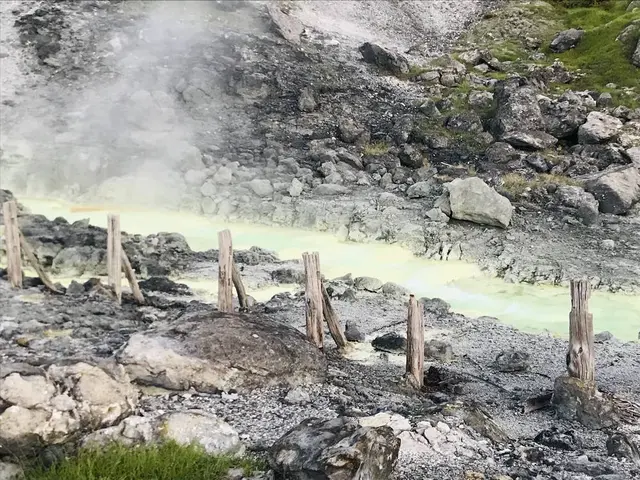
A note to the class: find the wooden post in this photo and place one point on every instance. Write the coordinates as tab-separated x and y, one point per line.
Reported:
33	260
131	278
225	272
580	356
415	344
242	294
313	299
332	319
114	255
12	243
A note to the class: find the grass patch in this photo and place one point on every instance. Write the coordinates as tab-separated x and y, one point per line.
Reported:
168	461
516	184
376	149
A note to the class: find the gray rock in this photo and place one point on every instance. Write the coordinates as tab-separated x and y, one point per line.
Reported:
297	396
480	100
438	350
473	200
536	140
584	203
383	58
352	333
10	471
437	215
306	101
369	284
411	157
538	162
224	176
501	153
390	342
468	122
296	188
633	5
335	449
635	58
218	351
214	435
604	100
602	337
443	204
617	191
634	155
329	189
261	187
349	130
622	446
420	190
287	26
599	128
566	40
394	290
517	109
512	361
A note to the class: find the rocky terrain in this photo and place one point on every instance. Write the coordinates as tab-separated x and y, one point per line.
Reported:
505	133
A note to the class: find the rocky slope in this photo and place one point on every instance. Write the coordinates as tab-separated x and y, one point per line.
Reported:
337	118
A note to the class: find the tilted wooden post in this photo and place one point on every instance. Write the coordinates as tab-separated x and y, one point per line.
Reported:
313	298
415	344
131	278
12	243
580	356
225	272
239	286
114	255
28	252
332	319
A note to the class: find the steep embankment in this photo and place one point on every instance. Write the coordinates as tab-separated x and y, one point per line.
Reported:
267	112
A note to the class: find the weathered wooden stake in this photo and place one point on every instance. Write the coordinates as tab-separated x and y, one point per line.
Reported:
415	344
313	298
332	319
28	252
580	356
131	278
114	255
225	271
12	243
243	301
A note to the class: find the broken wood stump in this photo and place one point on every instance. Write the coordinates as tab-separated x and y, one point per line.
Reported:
131	278
243	300
225	271
12	243
313	299
332	319
415	344
114	255
580	356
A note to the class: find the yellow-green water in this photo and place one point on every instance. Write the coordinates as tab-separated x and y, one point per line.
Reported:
463	285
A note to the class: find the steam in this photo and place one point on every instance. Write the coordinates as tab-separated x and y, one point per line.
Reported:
126	127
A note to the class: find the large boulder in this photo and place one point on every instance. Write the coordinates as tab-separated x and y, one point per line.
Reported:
584	204
392	62
517	109
599	128
336	449
566	40
213	351
473	200
52	407
617	190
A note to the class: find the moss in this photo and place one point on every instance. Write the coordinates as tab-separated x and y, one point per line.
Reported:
516	185
376	149
168	461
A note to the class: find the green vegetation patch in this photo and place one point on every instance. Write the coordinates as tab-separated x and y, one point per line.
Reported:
516	184
169	461
376	149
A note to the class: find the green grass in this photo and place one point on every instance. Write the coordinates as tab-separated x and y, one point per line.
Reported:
168	461
599	56
516	184
376	149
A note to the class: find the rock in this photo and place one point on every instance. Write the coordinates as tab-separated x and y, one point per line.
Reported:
297	396
616	191
517	109
584	203
437	215
295	190
306	101
473	200
468	122
622	446
335	449
394	290
443	203
602	337
390	342
10	471
211	433
165	285
481	100
566	40
501	153
536	140
634	155
330	189
411	157
216	351
349	130
604	100
553	438
287	26
261	187
438	350
538	162
352	333
599	128
369	284
396	422
635	58
512	361
38	415
580	401
392	62
420	190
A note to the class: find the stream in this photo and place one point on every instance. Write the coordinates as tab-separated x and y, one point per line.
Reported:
463	285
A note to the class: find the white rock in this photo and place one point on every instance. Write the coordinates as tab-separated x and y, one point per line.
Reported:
208	189
195	177
397	422
443	427
223	176
295	190
261	187
28	391
599	128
